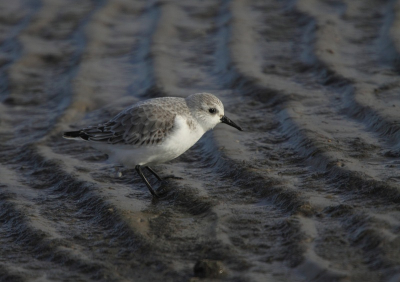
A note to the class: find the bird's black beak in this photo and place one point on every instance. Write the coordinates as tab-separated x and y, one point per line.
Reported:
226	120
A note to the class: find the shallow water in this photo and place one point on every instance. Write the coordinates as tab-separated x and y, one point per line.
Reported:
308	192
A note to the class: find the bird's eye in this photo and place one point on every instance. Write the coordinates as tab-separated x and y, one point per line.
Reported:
212	110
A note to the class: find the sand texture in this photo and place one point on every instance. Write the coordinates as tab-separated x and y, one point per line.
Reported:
309	191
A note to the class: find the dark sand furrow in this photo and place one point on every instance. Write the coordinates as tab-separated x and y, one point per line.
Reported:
374	237
309	257
309	263
308	192
103	68
169	80
228	182
178	201
275	88
325	156
302	137
333	245
183	220
304	131
31	239
11	274
92	201
181	223
275	81
36	66
387	43
46	65
203	40
313	265
114	47
241	177
85	220
354	65
353	176
94	206
194	68
162	50
137	215
251	226
272	89
391	34
13	20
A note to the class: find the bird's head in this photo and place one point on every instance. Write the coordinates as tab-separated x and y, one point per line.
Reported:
208	111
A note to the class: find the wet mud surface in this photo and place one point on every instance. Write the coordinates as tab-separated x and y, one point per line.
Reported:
308	192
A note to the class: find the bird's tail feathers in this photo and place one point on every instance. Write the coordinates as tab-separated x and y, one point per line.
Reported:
75	135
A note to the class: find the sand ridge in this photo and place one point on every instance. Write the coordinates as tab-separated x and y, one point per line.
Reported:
308	192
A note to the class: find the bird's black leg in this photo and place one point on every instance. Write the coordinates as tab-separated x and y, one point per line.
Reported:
139	171
154	173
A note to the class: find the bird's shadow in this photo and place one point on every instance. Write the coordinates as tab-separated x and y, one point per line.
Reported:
165	186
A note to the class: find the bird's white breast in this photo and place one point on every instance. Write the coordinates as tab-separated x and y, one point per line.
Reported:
183	137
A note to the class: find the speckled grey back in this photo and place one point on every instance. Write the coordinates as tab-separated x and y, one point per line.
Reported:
149	122
145	123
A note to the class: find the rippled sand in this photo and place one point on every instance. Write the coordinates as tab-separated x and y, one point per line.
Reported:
308	192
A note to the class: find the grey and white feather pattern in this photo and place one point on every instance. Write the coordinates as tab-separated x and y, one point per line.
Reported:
145	123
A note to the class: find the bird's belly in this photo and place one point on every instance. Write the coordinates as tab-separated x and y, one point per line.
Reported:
148	155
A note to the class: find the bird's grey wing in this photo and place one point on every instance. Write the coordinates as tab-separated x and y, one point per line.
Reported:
145	124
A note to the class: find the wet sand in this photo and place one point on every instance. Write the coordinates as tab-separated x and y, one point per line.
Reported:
308	192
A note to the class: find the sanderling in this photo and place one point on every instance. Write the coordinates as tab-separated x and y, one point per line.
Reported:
155	131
